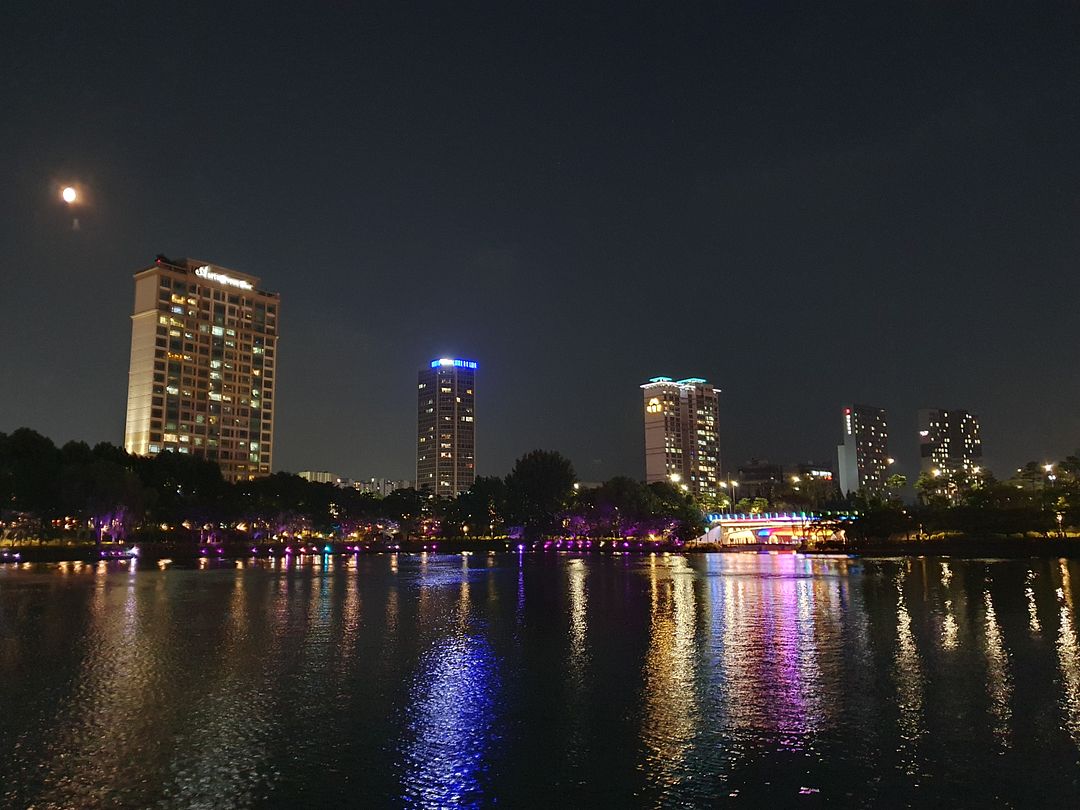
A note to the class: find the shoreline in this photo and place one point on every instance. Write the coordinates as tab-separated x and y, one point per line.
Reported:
970	548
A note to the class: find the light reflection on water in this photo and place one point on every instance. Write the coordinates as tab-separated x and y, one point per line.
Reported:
670	711
441	680
999	683
450	714
909	684
1069	654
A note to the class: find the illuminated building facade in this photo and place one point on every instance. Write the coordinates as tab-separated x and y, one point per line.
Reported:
446	427
949	441
202	371
319	476
864	455
682	443
379	486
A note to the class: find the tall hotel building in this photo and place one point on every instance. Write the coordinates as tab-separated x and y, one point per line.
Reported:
949	440
682	443
864	455
201	380
446	427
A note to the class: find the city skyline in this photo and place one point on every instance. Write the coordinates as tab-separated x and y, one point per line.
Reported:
880	170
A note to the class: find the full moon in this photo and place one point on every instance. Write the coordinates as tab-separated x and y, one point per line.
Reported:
69	194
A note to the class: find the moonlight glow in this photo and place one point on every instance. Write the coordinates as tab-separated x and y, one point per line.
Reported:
69	194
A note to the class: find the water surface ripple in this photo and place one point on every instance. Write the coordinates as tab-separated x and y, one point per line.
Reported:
521	681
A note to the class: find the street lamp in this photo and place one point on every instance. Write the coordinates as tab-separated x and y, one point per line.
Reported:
731	493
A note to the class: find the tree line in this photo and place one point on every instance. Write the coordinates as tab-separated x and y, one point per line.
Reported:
103	494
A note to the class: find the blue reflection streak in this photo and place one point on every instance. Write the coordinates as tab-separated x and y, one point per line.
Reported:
451	723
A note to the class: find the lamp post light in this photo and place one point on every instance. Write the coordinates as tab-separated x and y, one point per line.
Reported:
730	487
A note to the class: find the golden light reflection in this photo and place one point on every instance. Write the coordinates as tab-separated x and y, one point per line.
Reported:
578	618
1068	655
670	693
909	684
999	683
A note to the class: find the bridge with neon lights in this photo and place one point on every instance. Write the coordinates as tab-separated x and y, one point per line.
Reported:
772	530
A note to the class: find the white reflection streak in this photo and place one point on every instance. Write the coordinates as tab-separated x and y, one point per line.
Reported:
578	620
114	678
1033	609
1069	656
999	685
908	683
949	628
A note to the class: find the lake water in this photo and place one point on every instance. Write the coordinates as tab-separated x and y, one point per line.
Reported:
620	681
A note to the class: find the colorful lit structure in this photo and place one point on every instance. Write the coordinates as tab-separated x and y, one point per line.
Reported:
772	529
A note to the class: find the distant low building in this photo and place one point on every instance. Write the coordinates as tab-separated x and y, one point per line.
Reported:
319	476
380	486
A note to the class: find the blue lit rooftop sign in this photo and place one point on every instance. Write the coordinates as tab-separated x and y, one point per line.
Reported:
444	362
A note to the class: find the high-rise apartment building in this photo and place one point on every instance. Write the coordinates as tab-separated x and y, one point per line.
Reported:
682	443
446	427
864	455
949	440
202	372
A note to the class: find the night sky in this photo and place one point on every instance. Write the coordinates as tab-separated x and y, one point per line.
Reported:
806	206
